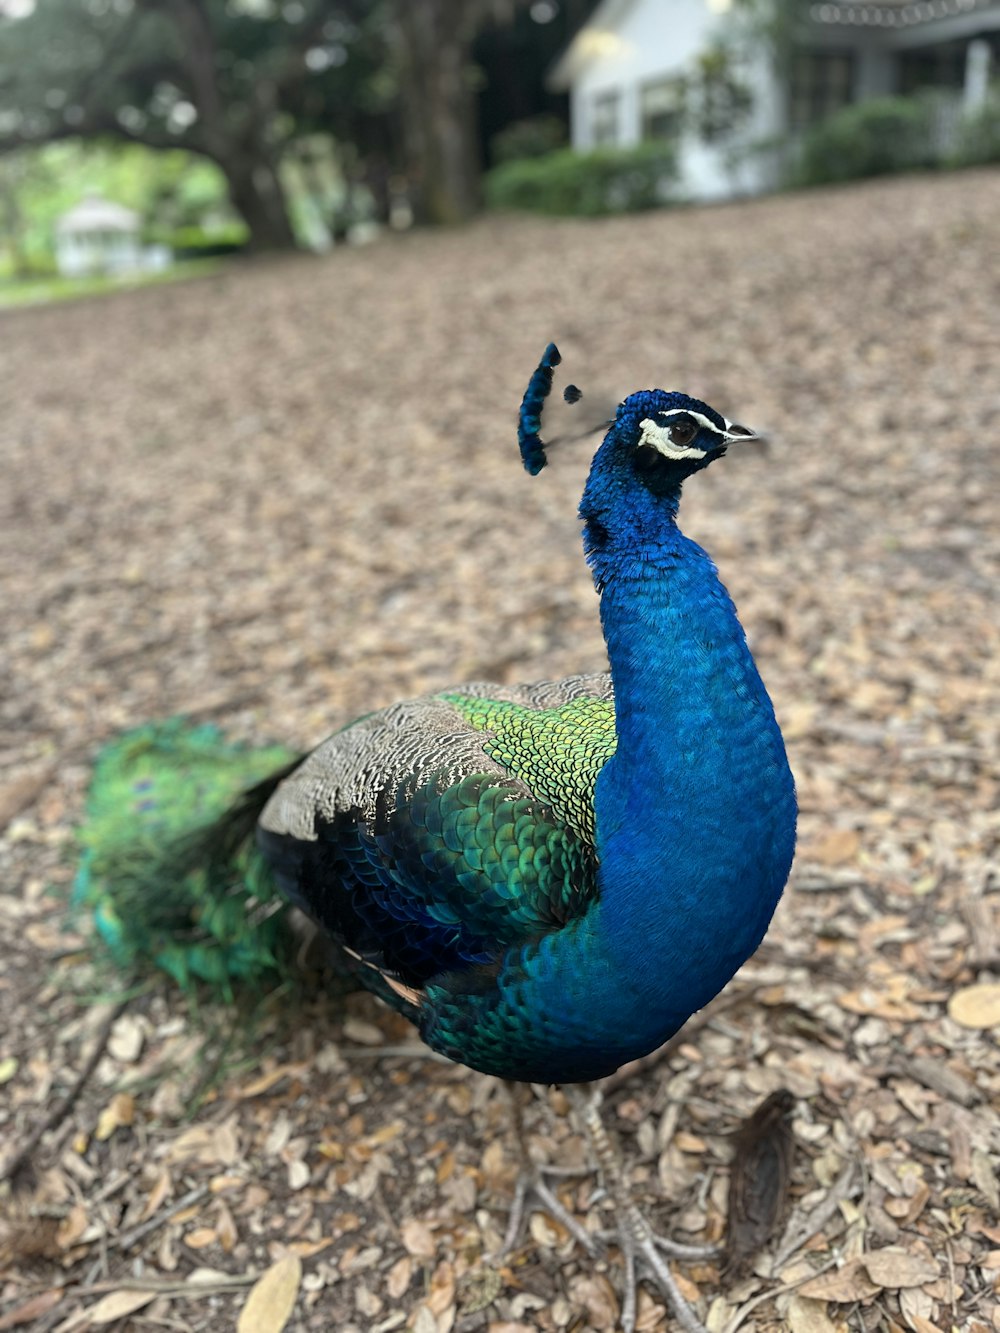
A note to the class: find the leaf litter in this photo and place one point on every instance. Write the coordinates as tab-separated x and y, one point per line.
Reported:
199	535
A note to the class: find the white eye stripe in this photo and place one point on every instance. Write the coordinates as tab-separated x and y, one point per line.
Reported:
658	437
700	417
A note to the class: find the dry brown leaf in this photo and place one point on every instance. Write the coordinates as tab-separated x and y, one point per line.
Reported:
162	1186
838	848
72	1227
298	1174
918	1310
442	1288
808	1316
305	1249
984	1177
267	1081
418	1239
118	1304
976	1006
892	1267
225	1228
850	1283
33	1309
363	1033
493	1163
118	1114
689	1142
597	1296
399	1277
424	1321
200	1238
125	1041
877	1004
272	1298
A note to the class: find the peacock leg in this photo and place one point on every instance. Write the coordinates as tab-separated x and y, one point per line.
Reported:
531	1181
639	1243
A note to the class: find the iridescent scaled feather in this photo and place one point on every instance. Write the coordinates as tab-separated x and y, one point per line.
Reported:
558	752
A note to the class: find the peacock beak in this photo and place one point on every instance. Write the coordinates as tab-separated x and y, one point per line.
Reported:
735	432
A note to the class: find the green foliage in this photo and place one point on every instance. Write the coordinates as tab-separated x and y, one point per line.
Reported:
43	290
873	138
607	180
979	135
533	137
203	243
168	189
719	98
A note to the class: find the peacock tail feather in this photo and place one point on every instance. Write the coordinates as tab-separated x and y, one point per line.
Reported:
168	870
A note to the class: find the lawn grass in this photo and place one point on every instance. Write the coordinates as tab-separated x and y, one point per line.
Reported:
43	291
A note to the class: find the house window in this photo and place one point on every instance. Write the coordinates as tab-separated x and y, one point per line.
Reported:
661	108
604	121
933	67
822	82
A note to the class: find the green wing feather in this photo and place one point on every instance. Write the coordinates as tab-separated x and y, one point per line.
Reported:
556	752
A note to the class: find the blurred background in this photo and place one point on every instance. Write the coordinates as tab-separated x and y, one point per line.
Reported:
139	137
286	492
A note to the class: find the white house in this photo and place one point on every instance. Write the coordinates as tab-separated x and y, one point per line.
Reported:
628	70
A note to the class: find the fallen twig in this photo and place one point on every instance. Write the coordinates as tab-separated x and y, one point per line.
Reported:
800	1229
763	1296
130	1238
62	1108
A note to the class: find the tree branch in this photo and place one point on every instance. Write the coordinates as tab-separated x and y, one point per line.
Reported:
101	126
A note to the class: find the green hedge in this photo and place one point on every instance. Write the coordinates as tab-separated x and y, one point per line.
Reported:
608	180
872	138
533	137
979	135
197	243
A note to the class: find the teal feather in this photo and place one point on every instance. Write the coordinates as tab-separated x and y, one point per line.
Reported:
154	875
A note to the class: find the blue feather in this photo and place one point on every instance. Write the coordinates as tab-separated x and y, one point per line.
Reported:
529	421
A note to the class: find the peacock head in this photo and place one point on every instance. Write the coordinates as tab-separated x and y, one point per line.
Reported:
656	440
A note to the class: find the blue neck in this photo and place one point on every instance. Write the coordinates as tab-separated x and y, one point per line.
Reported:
695	812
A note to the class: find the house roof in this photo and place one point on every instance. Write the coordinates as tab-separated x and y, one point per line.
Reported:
892	13
97	214
592	40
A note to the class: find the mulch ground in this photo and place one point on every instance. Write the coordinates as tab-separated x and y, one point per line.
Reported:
283	496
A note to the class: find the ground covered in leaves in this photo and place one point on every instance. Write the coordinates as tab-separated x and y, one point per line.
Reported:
286	495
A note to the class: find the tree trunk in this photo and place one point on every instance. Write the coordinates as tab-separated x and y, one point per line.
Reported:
439	108
257	194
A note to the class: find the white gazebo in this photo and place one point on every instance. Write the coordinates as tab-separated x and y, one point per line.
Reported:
98	236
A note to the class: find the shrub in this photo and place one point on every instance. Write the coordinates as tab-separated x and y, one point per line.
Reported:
979	135
532	137
872	138
199	243
607	180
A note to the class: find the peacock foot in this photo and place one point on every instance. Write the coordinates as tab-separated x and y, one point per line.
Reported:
531	1182
641	1247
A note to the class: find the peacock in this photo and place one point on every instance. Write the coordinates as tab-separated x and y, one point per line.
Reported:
547	880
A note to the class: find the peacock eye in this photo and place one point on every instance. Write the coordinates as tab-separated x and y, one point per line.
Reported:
682	433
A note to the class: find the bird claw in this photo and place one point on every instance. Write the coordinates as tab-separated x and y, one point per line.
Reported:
644	1248
532	1181
676	1249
